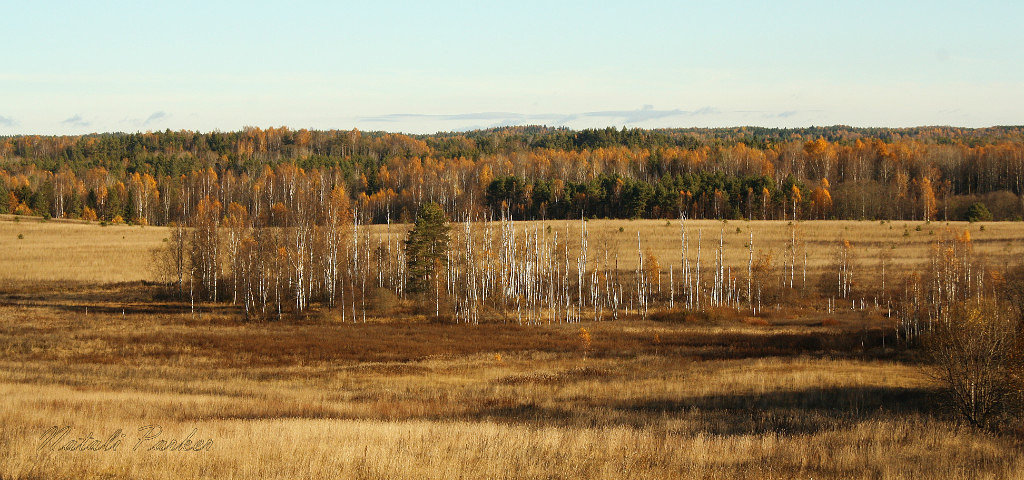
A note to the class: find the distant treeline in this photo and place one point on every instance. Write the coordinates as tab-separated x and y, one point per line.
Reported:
527	172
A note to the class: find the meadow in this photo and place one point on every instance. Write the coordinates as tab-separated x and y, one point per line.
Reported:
71	250
88	340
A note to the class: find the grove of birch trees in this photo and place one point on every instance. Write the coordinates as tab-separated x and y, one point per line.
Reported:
298	244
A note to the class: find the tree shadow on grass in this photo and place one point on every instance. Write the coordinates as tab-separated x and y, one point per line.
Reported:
804	411
794	411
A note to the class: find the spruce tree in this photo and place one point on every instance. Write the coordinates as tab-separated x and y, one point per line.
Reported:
978	212
426	246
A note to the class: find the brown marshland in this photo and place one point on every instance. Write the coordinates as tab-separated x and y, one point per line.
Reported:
86	340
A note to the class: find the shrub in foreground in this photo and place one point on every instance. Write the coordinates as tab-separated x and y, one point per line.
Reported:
976	355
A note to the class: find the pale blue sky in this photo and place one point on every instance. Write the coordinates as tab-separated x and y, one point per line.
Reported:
79	67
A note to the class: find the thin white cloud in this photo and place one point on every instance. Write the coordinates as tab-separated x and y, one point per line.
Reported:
476	116
648	112
644	114
7	121
155	117
76	121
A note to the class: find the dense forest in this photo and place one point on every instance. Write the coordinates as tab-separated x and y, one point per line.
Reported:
839	172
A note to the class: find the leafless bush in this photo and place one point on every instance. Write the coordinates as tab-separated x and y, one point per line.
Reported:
170	263
976	354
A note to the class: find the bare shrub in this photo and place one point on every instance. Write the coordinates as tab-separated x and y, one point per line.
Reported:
976	355
170	263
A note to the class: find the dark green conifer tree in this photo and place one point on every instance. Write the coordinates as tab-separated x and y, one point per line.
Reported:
426	246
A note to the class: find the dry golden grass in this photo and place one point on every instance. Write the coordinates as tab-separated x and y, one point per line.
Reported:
74	251
794	394
301	399
999	241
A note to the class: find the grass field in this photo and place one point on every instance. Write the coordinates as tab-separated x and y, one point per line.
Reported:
53	251
84	343
75	251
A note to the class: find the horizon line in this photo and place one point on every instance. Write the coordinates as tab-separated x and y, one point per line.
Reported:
501	127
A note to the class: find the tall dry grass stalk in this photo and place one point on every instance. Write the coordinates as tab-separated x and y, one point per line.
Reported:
401	400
